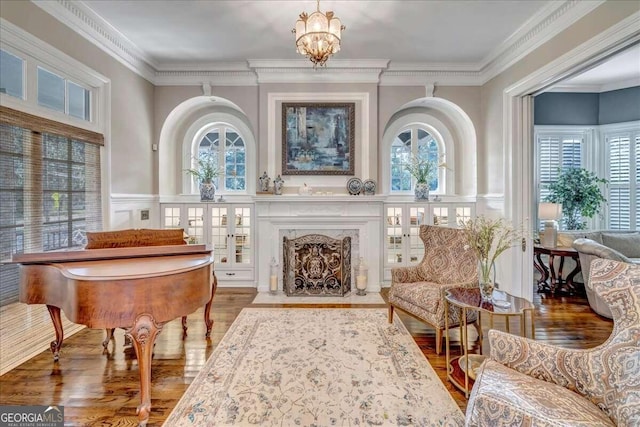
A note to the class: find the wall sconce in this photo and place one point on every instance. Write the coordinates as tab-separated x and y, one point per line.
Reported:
550	213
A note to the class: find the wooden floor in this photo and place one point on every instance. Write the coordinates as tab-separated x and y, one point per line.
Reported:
99	389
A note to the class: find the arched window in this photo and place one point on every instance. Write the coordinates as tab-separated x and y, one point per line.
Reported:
224	144
415	140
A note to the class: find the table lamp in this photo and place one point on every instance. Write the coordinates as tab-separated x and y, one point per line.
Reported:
550	213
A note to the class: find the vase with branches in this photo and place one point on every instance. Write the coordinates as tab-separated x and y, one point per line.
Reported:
424	170
206	170
488	239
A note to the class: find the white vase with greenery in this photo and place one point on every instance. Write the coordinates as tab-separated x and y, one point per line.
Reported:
424	171
206	170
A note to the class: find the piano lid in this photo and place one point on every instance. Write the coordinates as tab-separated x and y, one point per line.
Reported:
111	253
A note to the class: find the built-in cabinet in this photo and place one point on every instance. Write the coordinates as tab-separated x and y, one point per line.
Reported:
231	229
402	221
227	227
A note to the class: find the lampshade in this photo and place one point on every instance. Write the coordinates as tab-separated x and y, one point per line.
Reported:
550	213
547	211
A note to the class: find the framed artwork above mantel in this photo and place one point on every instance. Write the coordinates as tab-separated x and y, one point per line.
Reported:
318	138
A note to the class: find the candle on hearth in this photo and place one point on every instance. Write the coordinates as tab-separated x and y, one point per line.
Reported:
273	276
361	278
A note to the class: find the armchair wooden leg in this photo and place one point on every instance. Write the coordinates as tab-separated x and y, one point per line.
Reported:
390	313
438	341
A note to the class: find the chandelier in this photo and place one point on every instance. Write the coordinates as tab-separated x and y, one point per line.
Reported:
318	35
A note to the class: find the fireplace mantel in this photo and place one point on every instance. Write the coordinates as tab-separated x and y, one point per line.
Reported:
279	215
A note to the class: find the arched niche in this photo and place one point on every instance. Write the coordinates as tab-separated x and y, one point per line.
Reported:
450	124
179	129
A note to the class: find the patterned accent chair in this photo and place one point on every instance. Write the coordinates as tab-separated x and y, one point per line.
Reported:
419	290
528	383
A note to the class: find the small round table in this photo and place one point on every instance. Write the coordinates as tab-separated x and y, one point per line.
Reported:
557	282
469	299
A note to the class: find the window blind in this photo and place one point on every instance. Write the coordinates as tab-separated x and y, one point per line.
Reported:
50	189
555	152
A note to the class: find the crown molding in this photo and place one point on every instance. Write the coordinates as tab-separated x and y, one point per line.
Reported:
84	21
214	78
596	88
539	29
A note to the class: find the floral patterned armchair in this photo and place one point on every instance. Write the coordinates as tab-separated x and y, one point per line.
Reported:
528	383
419	290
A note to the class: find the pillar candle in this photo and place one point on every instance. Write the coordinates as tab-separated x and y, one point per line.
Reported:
273	283
361	282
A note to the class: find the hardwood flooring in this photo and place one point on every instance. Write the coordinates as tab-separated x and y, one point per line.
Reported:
99	389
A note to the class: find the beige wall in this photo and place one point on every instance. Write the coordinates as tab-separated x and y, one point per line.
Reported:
491	177
138	110
131	97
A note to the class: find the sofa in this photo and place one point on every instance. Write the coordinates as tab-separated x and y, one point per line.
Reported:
616	245
525	382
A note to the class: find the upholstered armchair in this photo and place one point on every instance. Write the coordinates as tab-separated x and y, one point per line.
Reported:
419	290
528	383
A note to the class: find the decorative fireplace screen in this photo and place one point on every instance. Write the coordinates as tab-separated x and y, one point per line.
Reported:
317	265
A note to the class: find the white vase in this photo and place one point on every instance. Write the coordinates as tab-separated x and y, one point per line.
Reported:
207	191
422	191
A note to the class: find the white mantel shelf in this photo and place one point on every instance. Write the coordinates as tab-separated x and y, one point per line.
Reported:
330	215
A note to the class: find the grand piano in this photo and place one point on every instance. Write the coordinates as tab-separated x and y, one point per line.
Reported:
139	288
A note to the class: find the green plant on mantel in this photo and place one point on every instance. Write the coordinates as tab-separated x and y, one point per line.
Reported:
206	169
579	192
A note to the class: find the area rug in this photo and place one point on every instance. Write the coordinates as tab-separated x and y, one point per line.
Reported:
316	367
282	298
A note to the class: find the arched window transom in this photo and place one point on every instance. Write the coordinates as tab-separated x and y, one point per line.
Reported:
230	156
413	141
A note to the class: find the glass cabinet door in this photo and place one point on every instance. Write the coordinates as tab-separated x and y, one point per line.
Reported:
441	216
393	223
171	217
242	235
195	225
220	235
417	217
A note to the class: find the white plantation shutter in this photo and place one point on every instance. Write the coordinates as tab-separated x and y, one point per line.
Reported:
636	206
555	151
623	165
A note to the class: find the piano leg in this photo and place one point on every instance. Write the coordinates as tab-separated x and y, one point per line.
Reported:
207	308
54	312
108	338
143	335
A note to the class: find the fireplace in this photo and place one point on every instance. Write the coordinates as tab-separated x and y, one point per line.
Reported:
316	265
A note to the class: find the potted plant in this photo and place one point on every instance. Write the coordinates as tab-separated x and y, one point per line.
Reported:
578	190
205	171
424	171
488	239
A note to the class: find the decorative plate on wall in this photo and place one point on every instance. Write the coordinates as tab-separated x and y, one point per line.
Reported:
369	187
354	185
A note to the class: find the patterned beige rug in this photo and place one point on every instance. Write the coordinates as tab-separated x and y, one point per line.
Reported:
316	367
282	298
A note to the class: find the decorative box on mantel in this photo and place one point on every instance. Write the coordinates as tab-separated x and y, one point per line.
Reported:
296	216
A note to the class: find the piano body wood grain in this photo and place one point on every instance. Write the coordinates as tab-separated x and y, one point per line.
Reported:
130	287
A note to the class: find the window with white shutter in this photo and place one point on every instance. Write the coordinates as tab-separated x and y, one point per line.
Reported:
623	174
555	151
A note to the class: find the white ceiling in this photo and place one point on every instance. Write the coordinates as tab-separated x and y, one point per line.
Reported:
617	72
450	32
454	41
